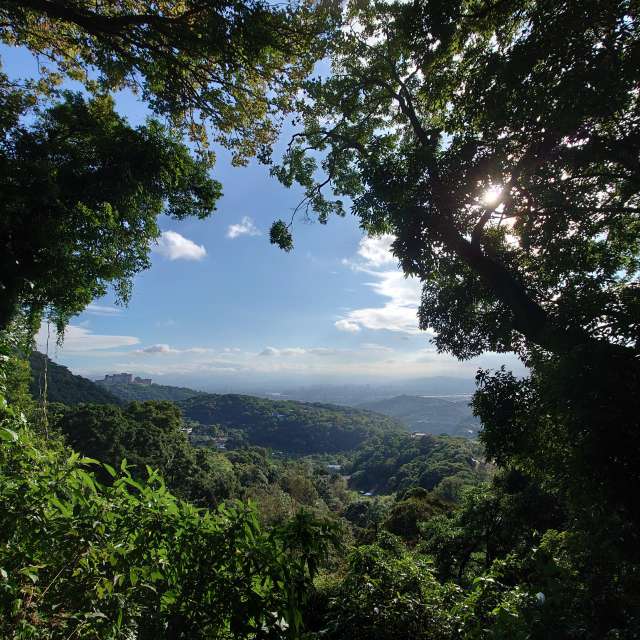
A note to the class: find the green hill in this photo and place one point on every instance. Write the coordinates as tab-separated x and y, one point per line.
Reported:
293	427
140	392
63	386
429	415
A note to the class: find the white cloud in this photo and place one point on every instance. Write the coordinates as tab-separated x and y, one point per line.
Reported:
403	291
102	310
79	339
269	351
372	346
292	351
389	317
297	362
347	325
299	351
237	366
376	250
325	351
399	313
245	227
157	348
166	349
174	246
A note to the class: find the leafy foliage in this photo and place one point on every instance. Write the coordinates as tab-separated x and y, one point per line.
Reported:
397	462
90	560
499	143
83	191
416	507
150	435
386	593
231	64
503	160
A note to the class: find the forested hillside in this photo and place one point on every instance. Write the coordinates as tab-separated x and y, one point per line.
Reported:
429	415
142	392
63	386
292	427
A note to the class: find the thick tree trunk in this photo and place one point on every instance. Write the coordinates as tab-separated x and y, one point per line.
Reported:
8	307
529	317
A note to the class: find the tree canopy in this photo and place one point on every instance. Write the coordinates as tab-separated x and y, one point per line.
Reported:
233	64
499	143
300	428
81	193
130	559
81	189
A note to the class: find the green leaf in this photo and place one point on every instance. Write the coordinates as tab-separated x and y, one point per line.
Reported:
65	510
8	435
110	470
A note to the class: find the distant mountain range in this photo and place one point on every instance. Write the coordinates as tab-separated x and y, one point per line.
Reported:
317	425
291	427
356	394
452	416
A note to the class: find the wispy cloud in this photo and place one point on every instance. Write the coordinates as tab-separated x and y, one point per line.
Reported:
245	227
372	346
348	326
165	349
399	313
299	351
157	348
293	362
102	310
78	339
376	250
173	246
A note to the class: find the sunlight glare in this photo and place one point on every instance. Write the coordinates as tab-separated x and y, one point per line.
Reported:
491	196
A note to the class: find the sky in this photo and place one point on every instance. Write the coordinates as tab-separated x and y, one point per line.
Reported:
221	307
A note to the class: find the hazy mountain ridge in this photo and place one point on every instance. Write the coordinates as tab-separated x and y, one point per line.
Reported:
452	416
357	394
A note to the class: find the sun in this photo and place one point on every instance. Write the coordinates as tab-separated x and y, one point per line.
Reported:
491	196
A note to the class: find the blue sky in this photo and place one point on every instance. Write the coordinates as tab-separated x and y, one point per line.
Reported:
222	307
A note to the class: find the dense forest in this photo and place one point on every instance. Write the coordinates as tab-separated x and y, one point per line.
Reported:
499	144
293	427
140	392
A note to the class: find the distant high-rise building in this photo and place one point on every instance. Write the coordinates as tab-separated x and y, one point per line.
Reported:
125	378
118	378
